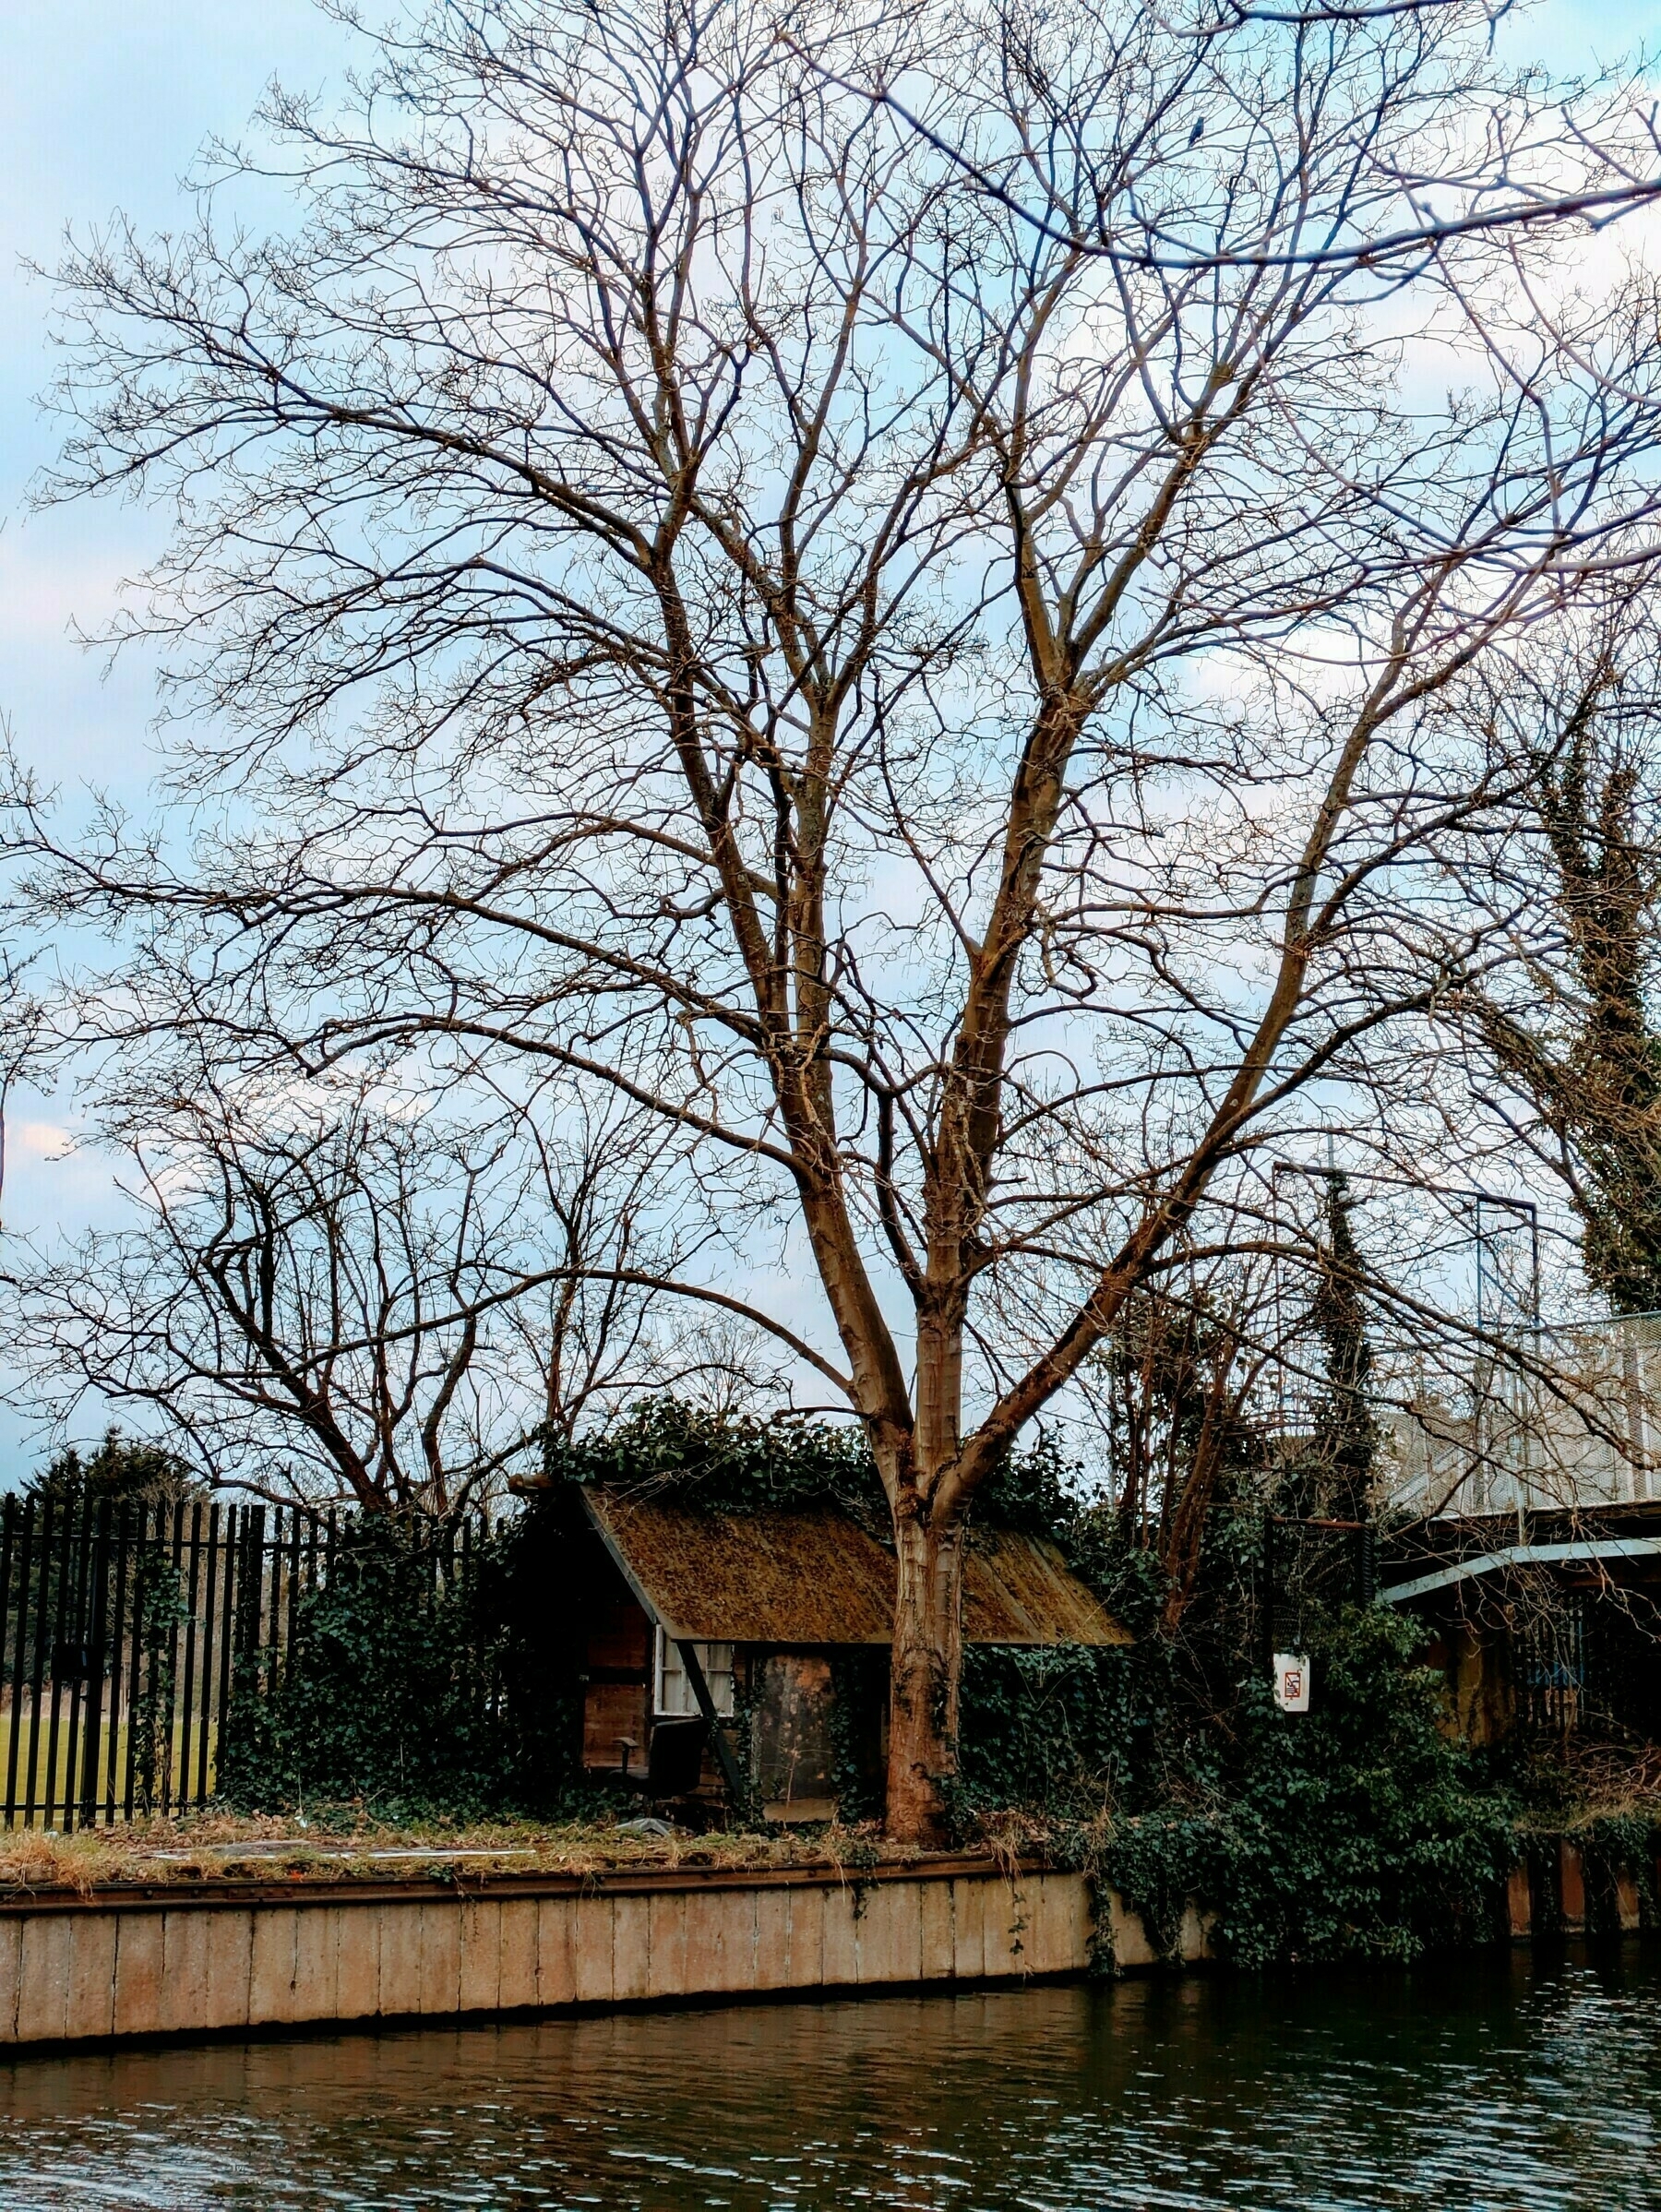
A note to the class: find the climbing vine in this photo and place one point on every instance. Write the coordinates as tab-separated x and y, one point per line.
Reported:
159	1613
420	1678
1357	1830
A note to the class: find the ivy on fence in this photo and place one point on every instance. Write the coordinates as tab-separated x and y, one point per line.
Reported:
417	1678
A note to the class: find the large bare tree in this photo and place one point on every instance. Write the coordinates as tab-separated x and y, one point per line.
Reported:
881	590
1564	1033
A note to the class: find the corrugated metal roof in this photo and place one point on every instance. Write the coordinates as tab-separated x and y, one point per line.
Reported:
815	1577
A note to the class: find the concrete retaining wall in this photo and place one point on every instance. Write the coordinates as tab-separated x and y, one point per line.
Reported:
227	1956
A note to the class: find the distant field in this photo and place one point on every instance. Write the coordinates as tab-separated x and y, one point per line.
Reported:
60	1775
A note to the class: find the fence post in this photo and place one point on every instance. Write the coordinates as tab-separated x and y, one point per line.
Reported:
96	1632
25	1558
73	1655
9	1524
135	1630
117	1618
184	1699
38	1677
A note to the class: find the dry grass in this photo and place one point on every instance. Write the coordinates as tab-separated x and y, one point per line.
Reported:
1614	1780
352	1847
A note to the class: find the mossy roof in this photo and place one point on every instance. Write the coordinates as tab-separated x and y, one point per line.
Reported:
811	1575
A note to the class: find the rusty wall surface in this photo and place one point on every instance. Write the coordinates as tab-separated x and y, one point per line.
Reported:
796	1749
84	1970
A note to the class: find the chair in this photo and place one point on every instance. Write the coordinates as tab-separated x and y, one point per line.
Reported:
674	1759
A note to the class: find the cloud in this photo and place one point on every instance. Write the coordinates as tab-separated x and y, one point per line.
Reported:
40	1139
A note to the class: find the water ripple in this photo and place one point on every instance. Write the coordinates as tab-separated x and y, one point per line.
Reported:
1501	2087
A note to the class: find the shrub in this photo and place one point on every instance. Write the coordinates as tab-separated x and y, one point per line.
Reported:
1357	1830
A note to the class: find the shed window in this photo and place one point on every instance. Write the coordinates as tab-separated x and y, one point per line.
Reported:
675	1700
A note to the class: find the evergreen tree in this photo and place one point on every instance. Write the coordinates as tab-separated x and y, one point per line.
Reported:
127	1470
1344	1437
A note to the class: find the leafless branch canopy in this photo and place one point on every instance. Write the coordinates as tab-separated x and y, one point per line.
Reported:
880	593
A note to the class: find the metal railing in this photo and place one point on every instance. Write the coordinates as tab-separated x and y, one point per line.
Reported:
123	1632
1571	1419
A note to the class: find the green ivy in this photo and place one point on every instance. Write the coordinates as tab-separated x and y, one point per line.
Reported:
1356	1830
726	1463
159	1611
420	1679
1051	1728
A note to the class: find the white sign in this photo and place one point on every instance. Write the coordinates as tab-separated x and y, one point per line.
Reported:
1292	1682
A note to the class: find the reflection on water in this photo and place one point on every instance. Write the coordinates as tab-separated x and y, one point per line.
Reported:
1501	2085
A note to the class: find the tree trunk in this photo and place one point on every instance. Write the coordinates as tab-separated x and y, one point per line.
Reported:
923	1697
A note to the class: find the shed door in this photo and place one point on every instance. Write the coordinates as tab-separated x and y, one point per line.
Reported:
796	1752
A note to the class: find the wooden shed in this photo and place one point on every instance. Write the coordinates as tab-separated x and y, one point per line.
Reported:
686	1621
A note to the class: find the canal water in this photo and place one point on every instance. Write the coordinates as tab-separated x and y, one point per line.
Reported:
1506	2084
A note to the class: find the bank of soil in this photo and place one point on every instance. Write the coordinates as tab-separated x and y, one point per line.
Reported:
351	1847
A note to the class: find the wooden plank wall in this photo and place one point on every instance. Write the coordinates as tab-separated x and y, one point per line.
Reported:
91	1970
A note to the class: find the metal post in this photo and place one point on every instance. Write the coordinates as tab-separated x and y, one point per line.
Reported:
97	1634
19	1658
1267	1623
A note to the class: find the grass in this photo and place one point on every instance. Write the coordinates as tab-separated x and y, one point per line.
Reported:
347	1844
57	1773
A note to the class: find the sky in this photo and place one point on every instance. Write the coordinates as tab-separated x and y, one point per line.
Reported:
103	106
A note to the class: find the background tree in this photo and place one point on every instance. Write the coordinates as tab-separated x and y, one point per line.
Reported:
1344	1436
340	1292
125	1470
1180	1370
1572	1029
690	574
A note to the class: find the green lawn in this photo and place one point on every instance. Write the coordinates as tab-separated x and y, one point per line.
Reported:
60	1775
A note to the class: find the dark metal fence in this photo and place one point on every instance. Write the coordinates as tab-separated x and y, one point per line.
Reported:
124	1631
1588	1663
1308	1568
